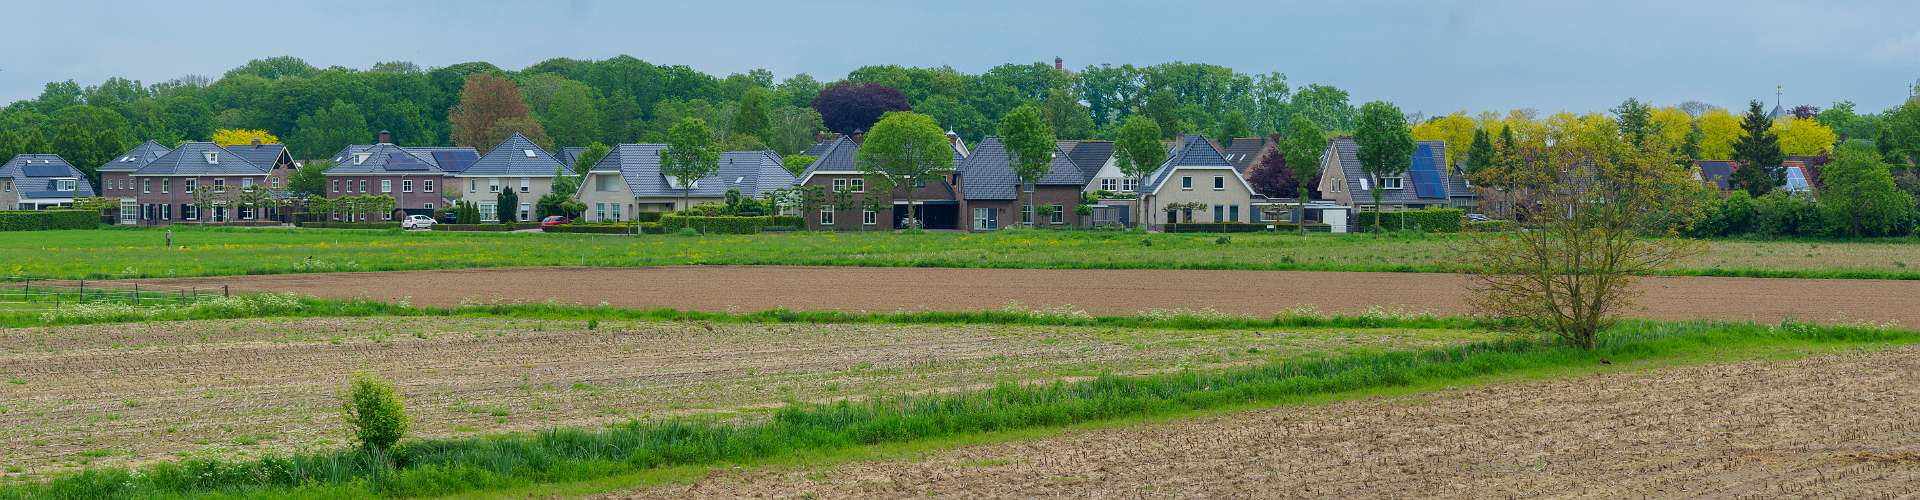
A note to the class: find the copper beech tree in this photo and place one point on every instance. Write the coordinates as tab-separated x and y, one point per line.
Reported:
1602	213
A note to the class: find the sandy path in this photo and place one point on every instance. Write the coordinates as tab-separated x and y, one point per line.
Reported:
1839	426
724	288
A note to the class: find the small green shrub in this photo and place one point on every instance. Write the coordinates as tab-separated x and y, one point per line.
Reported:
375	412
687	231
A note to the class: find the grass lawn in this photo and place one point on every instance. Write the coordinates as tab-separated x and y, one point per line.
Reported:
119	253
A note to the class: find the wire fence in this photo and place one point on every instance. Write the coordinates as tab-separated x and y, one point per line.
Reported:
32	292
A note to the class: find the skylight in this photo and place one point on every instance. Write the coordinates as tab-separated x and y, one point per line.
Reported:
529	152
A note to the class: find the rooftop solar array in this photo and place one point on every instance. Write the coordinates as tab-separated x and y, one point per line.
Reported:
47	171
455	161
1426	173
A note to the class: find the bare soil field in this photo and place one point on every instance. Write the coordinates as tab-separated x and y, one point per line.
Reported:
1834	426
746	289
129	393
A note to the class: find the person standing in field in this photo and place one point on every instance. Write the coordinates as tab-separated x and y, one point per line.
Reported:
169	238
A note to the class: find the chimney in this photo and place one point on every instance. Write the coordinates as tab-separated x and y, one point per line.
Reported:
952	137
1059	64
386	137
256	142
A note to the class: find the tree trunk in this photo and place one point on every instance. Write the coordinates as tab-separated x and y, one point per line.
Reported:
911	221
1301	222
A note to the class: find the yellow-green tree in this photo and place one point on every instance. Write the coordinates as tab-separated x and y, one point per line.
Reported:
1719	130
234	136
1671	124
1456	129
1803	137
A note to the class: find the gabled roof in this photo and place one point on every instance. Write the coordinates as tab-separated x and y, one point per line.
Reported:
516	157
988	172
752	172
381	160
838	156
1193	151
1717	172
1242	150
202	158
36	176
262	155
569	155
135	158
1435	185
817	148
1090	156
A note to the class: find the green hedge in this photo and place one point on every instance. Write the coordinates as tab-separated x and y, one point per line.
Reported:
647	216
789	220
591	228
1214	227
1432	220
651	228
41	220
1492	226
474	227
349	225
715	225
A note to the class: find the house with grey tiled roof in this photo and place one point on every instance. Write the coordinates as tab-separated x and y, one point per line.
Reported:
201	182
416	177
1425	184
1196	184
994	196
40	181
833	171
517	164
116	178
629	180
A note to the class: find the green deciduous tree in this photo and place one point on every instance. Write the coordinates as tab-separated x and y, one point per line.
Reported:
329	130
565	108
1480	152
1138	152
90	136
689	156
752	116
1859	197
1385	146
1030	145
1302	148
903	149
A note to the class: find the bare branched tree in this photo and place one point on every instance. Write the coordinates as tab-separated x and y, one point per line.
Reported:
1602	213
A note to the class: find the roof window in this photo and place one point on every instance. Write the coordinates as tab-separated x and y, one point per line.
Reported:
212	157
529	152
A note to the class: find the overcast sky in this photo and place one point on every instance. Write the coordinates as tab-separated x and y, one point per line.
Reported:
1428	56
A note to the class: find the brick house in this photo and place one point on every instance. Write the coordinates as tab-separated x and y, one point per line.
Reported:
203	182
994	197
937	203
116	178
416	177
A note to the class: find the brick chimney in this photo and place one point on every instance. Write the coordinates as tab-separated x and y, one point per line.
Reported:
386	137
256	142
1059	64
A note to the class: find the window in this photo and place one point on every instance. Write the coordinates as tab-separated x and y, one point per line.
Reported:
359	158
839	184
826	213
428	206
489	211
1219	214
246	183
1129	185
1364	186
128	210
146	186
1026	187
1233	213
473	185
190	185
1186	183
1058	216
63	185
426	186
493	184
386	185
526	184
406	185
219	185
616	210
213	158
189	212
246	212
336	185
165	184
1219	183
1026	214
1173	216
275	181
604	183
859	185
526	210
983	219
869	217
599	211
386	216
1389	183
363	185
1109	184
919	183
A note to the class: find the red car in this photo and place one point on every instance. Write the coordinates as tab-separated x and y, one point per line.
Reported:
555	220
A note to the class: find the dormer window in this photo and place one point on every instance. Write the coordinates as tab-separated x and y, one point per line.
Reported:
359	158
63	185
213	158
1389	183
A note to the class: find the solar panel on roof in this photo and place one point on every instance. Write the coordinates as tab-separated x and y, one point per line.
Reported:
1426	173
455	161
46	171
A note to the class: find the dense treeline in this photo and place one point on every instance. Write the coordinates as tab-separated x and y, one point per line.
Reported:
573	102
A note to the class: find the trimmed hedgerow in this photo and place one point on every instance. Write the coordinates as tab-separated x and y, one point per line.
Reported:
42	220
1432	220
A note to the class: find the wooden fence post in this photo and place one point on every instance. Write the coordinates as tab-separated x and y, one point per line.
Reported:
136	293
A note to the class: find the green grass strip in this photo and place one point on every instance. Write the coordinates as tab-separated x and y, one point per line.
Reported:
452	466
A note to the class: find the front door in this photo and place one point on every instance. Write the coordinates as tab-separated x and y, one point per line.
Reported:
984	219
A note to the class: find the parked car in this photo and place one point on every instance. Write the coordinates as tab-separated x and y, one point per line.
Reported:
417	222
555	220
1478	218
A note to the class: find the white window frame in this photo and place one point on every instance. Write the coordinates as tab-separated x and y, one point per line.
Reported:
869	217
189	186
839	185
1186	183
1059	215
426	185
386	185
1219	183
1109	184
1026	214
859	185
63	185
165	185
526	185
526	211
336	185
219	184
493	184
1397	183
1129	184
246	183
826	214
406	185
